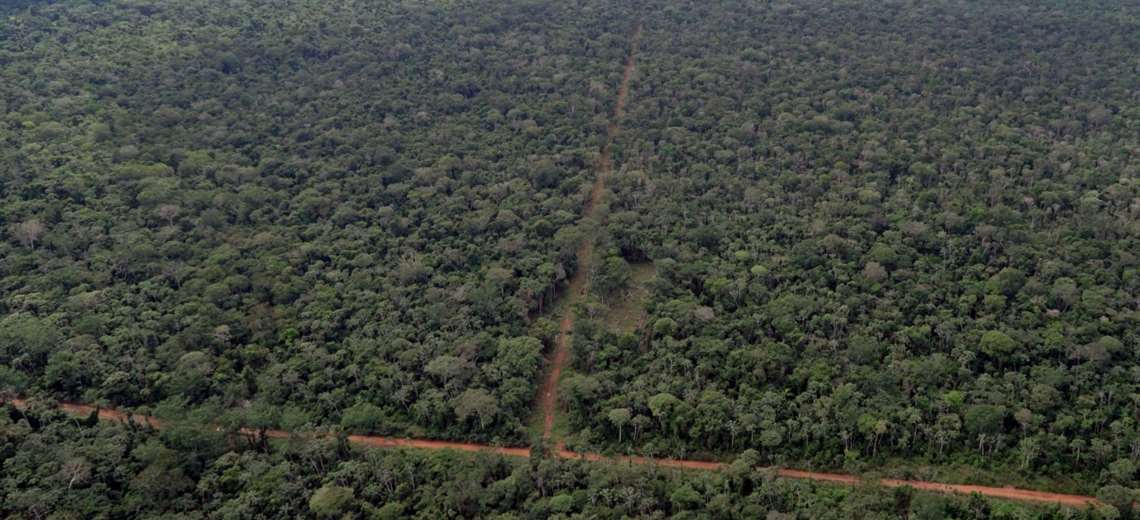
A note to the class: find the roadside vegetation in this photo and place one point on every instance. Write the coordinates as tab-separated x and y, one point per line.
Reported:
59	466
350	212
875	241
884	238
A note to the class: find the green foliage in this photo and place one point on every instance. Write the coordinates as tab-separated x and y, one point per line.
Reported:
881	234
619	417
362	418
57	467
330	501
1120	498
477	402
920	218
997	344
305	212
614	274
26	341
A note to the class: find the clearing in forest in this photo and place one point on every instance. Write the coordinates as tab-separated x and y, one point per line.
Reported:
374	441
627	307
580	282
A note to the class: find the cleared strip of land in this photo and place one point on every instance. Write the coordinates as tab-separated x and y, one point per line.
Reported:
1007	493
579	284
547	400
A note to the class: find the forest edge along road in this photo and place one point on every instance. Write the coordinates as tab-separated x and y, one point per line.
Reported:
548	398
576	291
1007	493
579	283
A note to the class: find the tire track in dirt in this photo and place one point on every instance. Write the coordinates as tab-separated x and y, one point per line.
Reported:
579	284
1006	493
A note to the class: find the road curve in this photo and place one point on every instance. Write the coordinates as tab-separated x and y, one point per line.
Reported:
1007	493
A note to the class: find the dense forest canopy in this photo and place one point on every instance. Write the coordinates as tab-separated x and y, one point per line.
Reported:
888	230
311	206
78	469
871	235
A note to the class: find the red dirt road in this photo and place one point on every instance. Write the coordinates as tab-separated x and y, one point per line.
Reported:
1008	493
548	393
105	414
580	283
389	442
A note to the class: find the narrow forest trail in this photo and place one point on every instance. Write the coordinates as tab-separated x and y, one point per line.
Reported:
1007	493
579	285
548	394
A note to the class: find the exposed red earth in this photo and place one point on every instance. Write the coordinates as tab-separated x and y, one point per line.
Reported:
548	393
1008	493
580	283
